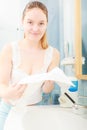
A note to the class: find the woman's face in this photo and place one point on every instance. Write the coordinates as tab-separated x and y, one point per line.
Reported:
34	24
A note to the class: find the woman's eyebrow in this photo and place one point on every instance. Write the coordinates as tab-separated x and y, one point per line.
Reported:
38	21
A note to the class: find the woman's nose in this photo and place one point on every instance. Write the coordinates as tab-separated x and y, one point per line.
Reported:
35	28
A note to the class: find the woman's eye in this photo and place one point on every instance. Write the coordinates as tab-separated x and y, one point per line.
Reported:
29	22
41	23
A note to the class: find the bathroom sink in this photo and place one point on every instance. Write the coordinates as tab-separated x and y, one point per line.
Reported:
52	118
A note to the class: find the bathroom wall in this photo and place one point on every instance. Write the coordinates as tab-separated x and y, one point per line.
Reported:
69	19
9	21
68	36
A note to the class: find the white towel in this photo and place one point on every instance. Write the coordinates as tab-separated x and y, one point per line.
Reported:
56	75
33	92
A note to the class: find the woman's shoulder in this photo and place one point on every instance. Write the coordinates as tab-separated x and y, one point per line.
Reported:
56	56
6	49
8	46
55	51
5	53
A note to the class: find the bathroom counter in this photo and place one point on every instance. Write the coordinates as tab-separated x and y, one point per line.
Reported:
53	118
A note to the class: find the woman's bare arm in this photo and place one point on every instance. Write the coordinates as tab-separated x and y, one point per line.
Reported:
6	91
49	85
5	66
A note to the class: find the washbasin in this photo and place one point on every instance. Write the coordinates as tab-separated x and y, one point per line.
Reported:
52	118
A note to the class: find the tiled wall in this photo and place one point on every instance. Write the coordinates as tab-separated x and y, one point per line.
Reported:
82	92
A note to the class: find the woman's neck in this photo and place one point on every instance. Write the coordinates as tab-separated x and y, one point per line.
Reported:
30	44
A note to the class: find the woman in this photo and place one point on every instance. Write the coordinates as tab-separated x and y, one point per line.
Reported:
29	56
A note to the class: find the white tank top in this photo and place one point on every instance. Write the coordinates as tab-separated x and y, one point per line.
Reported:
31	97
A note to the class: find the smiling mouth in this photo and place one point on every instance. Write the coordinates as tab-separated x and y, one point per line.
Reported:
35	33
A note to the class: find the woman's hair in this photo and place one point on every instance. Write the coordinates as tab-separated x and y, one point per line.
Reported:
37	4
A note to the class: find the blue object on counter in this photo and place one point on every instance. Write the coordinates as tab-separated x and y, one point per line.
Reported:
74	89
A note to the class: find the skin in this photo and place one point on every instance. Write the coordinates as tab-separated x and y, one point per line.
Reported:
35	25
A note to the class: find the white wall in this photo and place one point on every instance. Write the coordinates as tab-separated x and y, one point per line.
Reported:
69	24
9	13
9	21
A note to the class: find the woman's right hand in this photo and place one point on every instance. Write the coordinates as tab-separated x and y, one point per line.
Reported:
14	92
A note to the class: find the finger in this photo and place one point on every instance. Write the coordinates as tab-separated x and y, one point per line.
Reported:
22	88
18	86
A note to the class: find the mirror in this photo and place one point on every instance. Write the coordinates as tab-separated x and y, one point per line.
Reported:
81	39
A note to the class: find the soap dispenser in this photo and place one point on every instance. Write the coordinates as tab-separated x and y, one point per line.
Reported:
69	96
